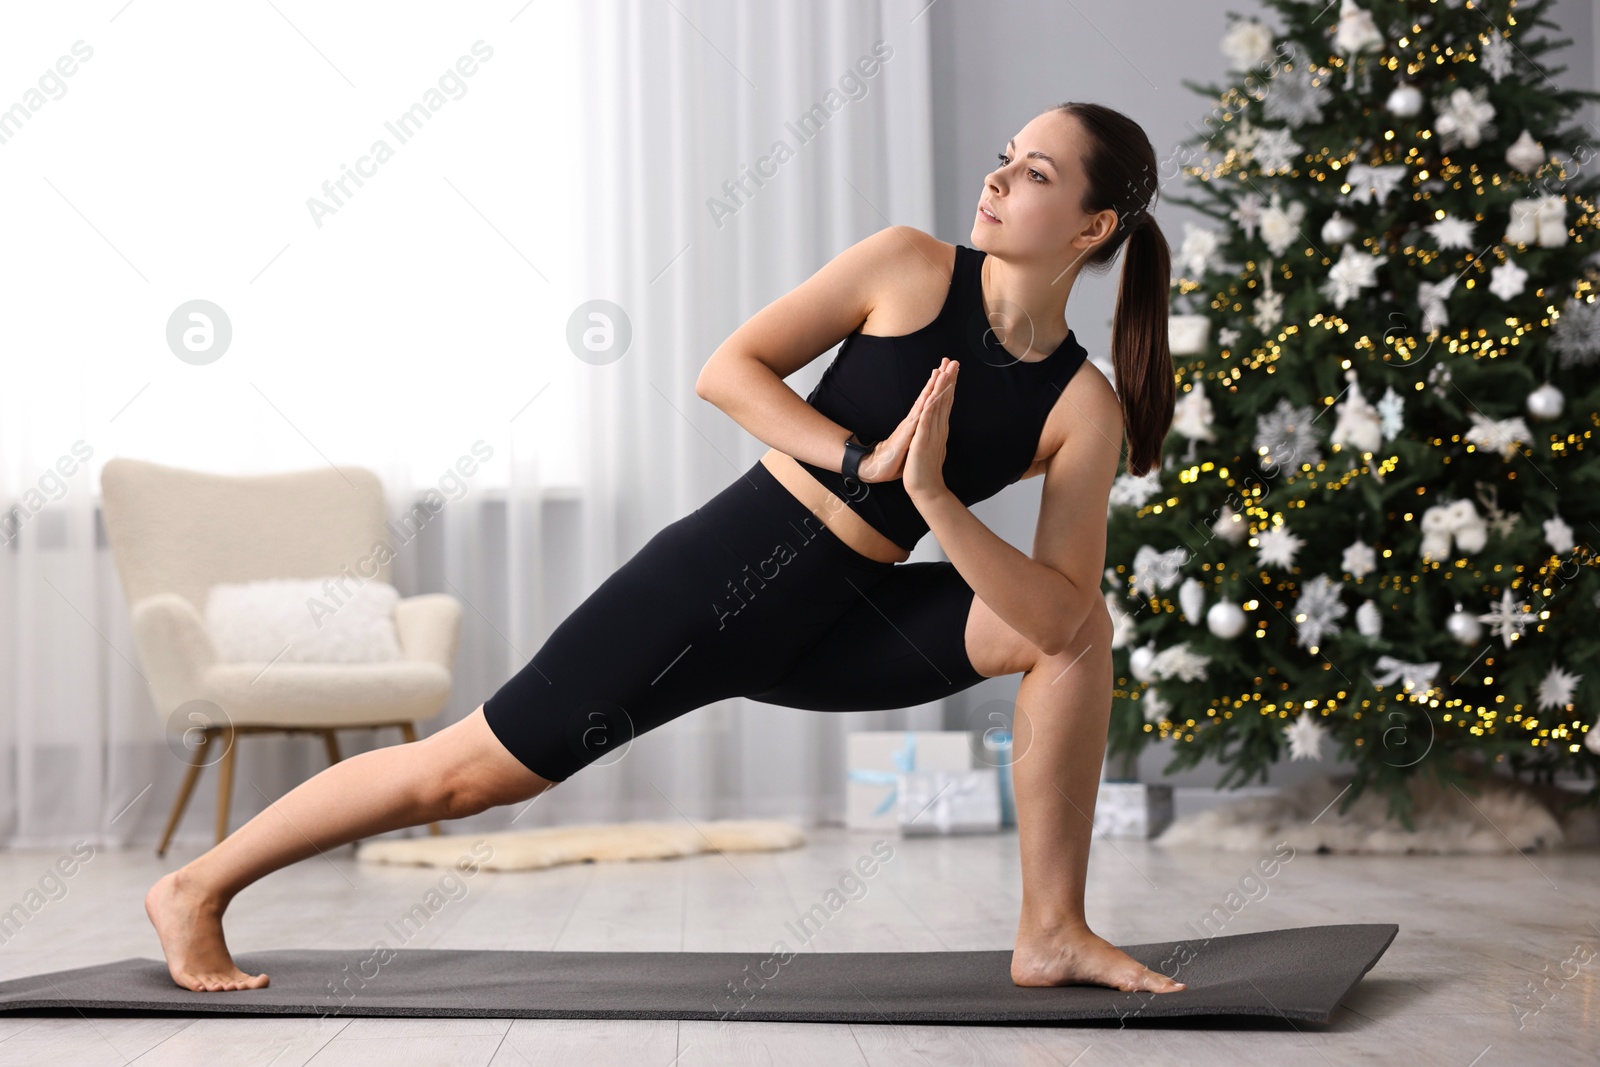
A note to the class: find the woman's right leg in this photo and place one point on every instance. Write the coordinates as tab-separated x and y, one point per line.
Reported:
716	604
459	771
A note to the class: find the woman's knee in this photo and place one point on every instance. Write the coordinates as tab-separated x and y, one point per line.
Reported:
995	648
477	772
1096	630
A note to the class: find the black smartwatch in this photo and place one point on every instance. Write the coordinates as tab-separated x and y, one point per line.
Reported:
852	459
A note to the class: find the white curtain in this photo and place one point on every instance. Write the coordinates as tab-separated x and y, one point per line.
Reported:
398	307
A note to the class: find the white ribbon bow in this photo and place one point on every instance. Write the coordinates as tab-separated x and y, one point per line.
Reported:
1415	677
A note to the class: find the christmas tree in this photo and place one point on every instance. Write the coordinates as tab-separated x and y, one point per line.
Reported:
1372	533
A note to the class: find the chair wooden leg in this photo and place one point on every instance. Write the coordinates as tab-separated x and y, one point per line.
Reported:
332	742
225	780
408	731
192	775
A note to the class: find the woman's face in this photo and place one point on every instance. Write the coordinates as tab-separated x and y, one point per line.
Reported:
1037	191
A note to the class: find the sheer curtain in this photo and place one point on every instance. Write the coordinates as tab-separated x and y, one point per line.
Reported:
428	232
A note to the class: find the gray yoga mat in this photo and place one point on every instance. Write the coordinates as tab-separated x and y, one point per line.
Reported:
1298	974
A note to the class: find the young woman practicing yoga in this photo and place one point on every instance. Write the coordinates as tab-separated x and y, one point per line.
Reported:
957	376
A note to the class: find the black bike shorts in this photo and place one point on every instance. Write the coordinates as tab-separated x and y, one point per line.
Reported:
748	595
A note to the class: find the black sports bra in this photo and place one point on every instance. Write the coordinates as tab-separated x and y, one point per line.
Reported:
999	409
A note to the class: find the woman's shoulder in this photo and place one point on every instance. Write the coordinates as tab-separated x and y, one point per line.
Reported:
913	281
1089	405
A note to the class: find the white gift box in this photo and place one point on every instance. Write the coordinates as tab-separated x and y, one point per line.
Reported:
950	802
1132	809
876	759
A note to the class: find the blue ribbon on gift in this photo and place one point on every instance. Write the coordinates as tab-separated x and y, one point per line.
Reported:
905	761
1000	742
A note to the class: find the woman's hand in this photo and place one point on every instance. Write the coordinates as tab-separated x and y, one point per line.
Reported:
886	461
924	467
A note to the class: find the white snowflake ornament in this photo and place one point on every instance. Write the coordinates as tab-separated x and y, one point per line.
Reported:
1506	618
1276	546
1557	688
1129	490
1247	213
1507	281
1269	305
1275	151
1576	334
1242	136
1284	436
1355	271
1496	56
1559	534
1360	560
1452	232
1281	225
1316	611
1297	96
1305	736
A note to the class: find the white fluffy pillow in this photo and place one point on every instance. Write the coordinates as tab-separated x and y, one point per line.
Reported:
321	620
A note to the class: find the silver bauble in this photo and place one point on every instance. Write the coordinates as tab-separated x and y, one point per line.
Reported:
1140	661
1338	229
1464	627
1369	620
1405	101
1225	619
1546	402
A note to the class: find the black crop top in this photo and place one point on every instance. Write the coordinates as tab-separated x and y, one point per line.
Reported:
996	418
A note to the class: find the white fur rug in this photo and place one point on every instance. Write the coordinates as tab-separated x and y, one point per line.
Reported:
526	850
1506	816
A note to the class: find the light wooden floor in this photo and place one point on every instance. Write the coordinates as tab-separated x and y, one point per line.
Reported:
1475	935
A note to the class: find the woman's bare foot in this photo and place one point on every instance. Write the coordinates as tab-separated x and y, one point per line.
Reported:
190	928
1082	957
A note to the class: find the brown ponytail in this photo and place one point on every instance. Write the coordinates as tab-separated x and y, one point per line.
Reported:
1139	354
1120	169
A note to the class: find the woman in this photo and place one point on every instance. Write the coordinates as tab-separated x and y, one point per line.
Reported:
801	558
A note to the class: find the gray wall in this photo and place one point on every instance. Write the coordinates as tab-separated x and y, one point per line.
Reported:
998	63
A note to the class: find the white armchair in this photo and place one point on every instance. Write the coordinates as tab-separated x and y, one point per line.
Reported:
174	533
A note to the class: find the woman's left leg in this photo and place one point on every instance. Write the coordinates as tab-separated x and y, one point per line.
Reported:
1059	743
921	634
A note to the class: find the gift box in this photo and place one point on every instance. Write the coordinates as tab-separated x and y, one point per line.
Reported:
993	748
949	802
1132	809
876	759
